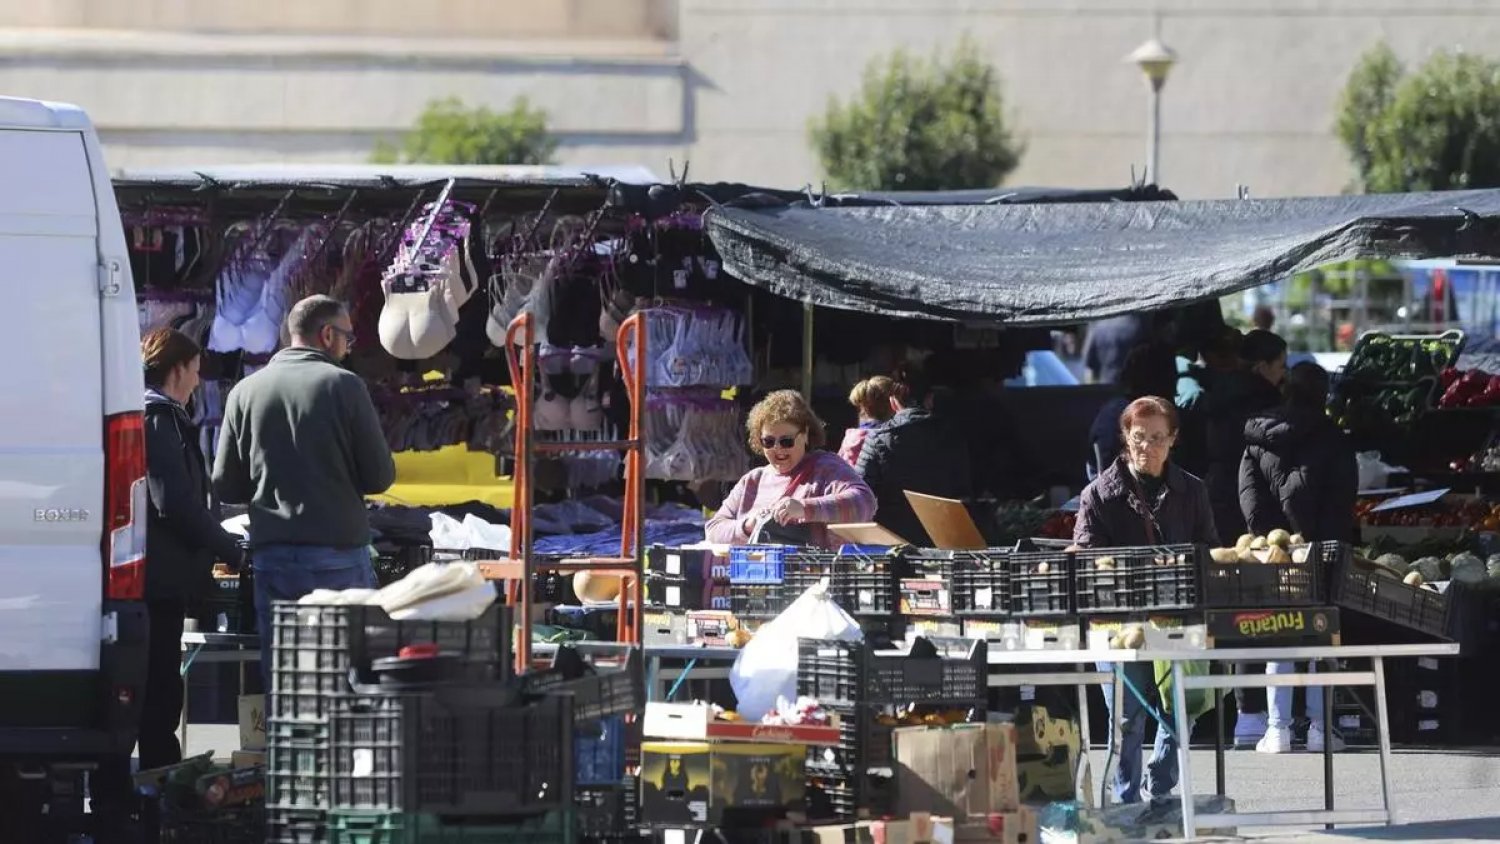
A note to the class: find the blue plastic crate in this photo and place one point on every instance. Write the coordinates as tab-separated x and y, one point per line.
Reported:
599	751
757	563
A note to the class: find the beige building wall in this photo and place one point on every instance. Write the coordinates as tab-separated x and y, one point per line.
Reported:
728	84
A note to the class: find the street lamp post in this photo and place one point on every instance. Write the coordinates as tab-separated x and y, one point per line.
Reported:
1155	60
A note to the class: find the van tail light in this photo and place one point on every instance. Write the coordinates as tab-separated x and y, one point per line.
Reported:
125	506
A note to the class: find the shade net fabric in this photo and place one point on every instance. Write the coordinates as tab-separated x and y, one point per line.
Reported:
1030	261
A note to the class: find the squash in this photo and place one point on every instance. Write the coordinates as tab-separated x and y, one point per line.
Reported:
591	587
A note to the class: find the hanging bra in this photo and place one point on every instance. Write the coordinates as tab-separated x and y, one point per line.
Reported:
251	299
422	299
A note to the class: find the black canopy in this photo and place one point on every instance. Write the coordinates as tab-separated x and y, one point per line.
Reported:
1029	259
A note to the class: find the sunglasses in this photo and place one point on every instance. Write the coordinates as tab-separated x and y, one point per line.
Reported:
782	442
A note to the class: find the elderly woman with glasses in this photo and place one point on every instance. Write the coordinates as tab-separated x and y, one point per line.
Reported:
1143	499
800	491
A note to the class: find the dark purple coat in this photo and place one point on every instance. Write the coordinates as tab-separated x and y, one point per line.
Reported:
1112	514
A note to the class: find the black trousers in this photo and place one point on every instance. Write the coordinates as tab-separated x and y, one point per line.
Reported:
161	706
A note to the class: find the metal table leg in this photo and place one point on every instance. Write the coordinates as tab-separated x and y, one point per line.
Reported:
1383	731
1184	751
1084	786
1219	744
1327	746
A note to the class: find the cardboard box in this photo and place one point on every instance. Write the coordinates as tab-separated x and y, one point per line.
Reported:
1047	751
252	722
223	789
1159	632
696	722
1018	827
925	596
664	628
963	771
1284	626
1028	635
693	782
247	759
710	627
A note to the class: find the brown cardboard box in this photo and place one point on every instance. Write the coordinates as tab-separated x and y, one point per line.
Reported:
252	722
1018	827
1047	750
247	759
963	771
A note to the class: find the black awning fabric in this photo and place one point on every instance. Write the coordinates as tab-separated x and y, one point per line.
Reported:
1058	263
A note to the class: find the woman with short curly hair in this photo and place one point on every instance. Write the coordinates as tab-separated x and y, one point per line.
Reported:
800	491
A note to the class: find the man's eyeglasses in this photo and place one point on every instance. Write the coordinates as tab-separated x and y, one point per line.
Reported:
1155	440
347	335
782	442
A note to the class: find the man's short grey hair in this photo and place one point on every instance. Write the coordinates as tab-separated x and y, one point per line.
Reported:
308	316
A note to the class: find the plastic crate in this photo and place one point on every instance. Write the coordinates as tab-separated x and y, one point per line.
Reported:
1136	579
860	582
292	826
607	809
314	649
599	751
1041	584
596	691
452	751
1388	599
297	765
245	825
925	584
981	583
421	828
758	563
757	600
1254	585
864	743
665	591
936	670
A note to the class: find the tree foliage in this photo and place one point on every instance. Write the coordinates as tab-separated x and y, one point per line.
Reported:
1437	128
448	132
919	124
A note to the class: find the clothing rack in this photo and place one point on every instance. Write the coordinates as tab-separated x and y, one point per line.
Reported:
517	572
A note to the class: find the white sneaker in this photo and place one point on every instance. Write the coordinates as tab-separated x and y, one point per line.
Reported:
1316	739
1248	728
1276	740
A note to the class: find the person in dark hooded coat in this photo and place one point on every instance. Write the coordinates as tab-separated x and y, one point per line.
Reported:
1299	471
1235	397
1298	474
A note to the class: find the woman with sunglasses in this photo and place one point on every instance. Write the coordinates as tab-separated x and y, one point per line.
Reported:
800	491
1143	499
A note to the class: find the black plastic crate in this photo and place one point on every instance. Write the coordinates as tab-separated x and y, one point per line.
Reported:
297	765
400	561
245	825
599	751
315	648
1254	585
1104	582
981	583
424	828
758	600
1134	579
607	810
1041	584
596	690
695	564
452	751
665	591
934	671
862	584
292	826
864	743
1384	597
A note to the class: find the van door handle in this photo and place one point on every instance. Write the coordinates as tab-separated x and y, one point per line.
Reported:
111	276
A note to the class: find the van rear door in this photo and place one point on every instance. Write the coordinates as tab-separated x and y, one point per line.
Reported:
70	388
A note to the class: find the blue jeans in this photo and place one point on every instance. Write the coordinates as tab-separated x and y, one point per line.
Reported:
1281	697
1161	770
288	572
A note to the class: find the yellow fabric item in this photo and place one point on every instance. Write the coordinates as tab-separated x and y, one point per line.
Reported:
450	475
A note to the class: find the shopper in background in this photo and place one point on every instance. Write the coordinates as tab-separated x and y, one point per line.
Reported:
800	491
1235	396
916	451
1150	370
1143	499
302	445
1110	341
182	532
1298	474
871	399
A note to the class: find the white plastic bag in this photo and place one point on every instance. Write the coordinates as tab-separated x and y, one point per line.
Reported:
1374	473
767	668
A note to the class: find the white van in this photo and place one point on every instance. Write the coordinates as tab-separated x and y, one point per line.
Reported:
72	462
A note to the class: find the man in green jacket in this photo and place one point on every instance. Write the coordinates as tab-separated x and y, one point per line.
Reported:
302	445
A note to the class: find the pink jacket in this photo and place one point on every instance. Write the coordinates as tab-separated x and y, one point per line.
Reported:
829	489
853	444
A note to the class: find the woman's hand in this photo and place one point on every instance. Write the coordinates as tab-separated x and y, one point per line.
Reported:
789	511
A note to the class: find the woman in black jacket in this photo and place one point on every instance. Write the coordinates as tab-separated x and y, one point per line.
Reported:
1298	474
183	535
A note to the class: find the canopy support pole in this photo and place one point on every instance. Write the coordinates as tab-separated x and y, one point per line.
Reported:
807	350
